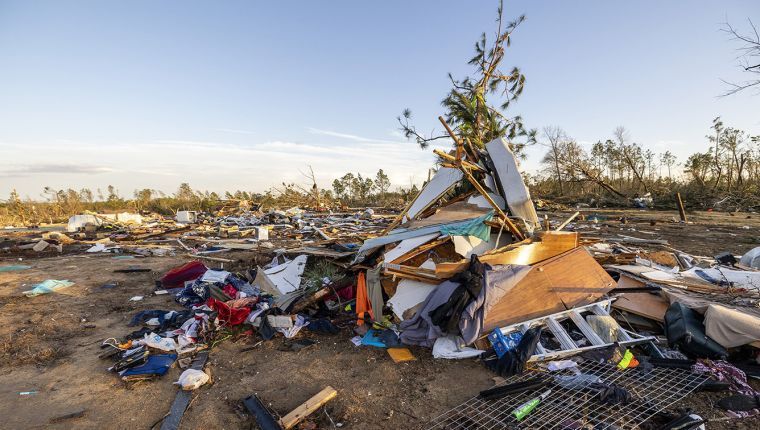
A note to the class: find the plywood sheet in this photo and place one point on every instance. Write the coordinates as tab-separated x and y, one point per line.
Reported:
562	282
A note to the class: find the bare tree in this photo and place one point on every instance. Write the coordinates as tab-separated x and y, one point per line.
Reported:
556	141
749	56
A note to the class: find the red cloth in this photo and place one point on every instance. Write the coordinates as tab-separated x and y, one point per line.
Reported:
229	315
179	275
229	290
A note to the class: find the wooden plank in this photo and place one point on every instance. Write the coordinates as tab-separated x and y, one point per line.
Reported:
681	210
308	407
648	305
567	221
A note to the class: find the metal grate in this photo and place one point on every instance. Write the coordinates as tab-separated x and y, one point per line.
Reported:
566	408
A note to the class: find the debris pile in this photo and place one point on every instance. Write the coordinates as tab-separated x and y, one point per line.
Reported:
585	330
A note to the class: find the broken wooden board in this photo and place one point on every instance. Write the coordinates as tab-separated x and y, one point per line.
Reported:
570	279
648	305
523	253
308	407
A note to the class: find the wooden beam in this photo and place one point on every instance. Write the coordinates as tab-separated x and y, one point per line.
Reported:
681	210
453	159
510	225
308	407
567	221
458	142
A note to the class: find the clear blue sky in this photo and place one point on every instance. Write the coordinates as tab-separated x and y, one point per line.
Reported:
243	95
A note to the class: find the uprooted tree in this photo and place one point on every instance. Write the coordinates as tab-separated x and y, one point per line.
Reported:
476	105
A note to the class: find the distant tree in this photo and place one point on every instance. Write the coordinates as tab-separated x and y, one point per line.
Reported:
113	194
668	159
143	198
340	188
382	183
475	106
698	166
185	193
749	56
347	181
717	126
556	140
85	194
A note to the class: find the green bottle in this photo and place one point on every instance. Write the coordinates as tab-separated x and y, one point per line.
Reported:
523	410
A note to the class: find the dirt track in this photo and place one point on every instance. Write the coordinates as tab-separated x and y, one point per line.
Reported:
49	344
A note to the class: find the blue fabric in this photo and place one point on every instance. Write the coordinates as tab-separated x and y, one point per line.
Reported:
372	338
474	227
48	286
156	365
14	268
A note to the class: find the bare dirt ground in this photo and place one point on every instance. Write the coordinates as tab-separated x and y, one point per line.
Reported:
49	346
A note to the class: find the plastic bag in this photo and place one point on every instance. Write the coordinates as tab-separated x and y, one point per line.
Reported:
191	379
163	343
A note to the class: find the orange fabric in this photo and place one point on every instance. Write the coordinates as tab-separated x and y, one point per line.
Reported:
362	300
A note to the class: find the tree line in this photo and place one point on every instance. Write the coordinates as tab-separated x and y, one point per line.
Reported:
618	168
349	190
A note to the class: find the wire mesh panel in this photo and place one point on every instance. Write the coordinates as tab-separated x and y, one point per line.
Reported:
564	408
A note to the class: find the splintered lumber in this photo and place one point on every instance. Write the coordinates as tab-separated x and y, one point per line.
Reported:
567	221
411	272
510	225
420	250
453	159
314	298
560	283
206	257
458	162
308	407
681	211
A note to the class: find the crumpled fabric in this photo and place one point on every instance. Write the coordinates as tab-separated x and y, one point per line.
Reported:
177	276
476	227
156	365
229	290
497	281
246	302
611	394
419	330
453	347
737	379
299	323
215	276
576	382
232	316
447	315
